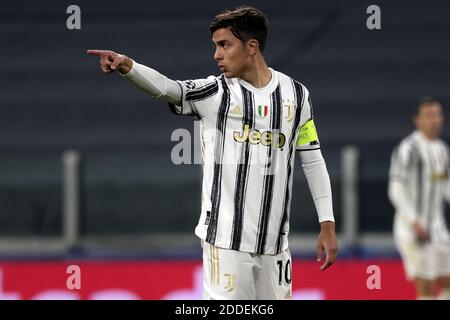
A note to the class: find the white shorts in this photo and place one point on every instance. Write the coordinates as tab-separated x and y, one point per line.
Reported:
427	261
234	275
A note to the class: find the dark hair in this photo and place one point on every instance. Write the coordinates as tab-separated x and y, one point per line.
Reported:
245	22
423	102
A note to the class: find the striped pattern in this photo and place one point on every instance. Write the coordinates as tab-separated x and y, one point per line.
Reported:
299	97
203	93
214	265
266	201
417	160
422	167
242	171
218	156
247	198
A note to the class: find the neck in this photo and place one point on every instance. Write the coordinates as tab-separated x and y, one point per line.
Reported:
428	135
258	74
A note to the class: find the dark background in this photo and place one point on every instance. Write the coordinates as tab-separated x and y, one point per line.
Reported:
364	84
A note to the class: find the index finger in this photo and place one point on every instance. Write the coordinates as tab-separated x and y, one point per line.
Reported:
328	261
96	52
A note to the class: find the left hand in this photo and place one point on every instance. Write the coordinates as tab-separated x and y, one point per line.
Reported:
327	241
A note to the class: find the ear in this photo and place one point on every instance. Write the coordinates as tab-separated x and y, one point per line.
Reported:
252	47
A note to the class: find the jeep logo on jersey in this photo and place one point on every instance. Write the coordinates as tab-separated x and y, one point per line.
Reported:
263	110
254	136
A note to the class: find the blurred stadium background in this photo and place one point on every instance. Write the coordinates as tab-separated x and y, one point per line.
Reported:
86	176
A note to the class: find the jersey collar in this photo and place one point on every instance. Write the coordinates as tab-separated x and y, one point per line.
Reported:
270	87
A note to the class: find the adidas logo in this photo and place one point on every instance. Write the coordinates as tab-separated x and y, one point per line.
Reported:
236	110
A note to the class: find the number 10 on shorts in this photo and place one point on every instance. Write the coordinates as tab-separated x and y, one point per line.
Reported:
284	271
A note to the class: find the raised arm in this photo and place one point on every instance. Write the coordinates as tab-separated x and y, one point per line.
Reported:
145	78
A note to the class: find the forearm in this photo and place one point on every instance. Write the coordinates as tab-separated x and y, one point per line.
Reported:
401	200
319	184
154	83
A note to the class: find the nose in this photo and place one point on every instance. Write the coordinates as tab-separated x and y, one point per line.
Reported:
218	54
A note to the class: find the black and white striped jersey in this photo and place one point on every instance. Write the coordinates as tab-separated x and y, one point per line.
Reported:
422	165
248	137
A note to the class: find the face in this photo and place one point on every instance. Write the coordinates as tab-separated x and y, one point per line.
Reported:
233	56
430	120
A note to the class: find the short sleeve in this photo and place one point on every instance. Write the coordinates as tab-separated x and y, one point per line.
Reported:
197	95
307	137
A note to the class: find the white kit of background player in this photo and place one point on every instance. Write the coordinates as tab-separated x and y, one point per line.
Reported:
418	187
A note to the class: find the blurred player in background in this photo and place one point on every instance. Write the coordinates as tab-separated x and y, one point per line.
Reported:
253	118
418	186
